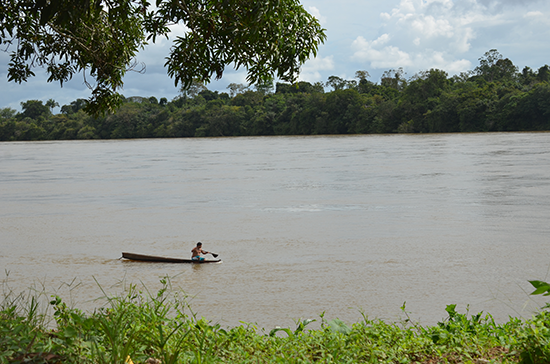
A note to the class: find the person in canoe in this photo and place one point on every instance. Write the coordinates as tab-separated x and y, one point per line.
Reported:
197	251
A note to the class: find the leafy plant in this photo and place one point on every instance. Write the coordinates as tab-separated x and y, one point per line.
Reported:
143	327
541	287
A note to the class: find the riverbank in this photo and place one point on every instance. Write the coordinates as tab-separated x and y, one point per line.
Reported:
429	102
145	328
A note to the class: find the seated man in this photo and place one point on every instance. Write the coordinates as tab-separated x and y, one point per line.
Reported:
197	251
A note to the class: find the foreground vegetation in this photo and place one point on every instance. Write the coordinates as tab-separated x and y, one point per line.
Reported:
160	328
495	96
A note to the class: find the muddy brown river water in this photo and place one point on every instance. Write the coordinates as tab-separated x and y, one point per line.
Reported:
304	225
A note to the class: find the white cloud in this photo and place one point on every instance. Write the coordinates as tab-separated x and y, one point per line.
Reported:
435	20
461	44
405	8
458	66
237	76
317	14
502	5
178	30
534	14
431	27
537	19
440	60
312	70
378	54
424	34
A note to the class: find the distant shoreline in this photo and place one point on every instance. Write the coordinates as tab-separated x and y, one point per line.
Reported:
428	103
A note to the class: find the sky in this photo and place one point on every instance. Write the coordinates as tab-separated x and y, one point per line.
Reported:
374	36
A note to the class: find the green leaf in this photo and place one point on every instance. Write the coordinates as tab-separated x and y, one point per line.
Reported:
70	332
338	325
277	329
451	310
540	288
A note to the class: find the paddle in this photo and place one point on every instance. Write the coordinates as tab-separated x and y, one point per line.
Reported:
213	254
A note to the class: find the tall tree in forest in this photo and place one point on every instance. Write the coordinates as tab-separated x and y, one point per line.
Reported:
34	109
393	79
193	89
493	67
337	83
543	74
420	97
236	89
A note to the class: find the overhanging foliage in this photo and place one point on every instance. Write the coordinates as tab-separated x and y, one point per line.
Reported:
101	39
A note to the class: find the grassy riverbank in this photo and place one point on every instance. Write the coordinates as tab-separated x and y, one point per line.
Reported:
145	328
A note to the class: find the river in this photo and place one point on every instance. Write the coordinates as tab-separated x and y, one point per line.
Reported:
343	225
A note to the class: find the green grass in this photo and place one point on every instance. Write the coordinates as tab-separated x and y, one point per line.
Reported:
145	327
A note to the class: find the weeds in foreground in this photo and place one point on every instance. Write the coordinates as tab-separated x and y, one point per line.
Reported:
144	328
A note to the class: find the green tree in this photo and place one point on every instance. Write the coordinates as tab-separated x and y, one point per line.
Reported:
393	79
7	113
475	106
220	120
443	118
364	86
299	87
236	89
345	109
101	38
7	123
267	116
291	120
487	63
361	75
493	67
337	83
543	74
73	107
193	89
264	87
35	110
527	77
420	97
209	95
52	104
248	98
533	109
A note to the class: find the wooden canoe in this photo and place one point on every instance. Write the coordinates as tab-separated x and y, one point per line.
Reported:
153	258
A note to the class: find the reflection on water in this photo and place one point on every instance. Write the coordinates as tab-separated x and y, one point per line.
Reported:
304	224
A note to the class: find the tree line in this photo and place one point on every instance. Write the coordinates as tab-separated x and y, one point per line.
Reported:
495	96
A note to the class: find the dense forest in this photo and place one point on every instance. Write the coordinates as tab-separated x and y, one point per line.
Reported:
495	96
